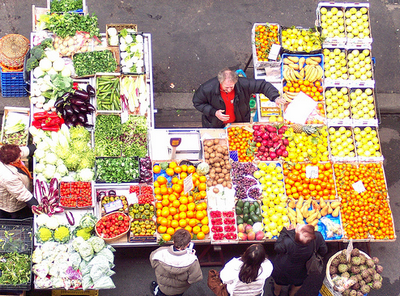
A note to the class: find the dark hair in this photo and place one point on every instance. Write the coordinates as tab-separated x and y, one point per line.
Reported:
181	238
306	229
252	259
9	153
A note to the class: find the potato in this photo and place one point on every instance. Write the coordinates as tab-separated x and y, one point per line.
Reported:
216	141
215	190
212	171
228	166
221	175
217	164
206	155
215	183
224	183
212	176
229	185
210	150
212	155
227	177
220	150
218	170
225	171
219	181
208	143
209	183
226	157
222	162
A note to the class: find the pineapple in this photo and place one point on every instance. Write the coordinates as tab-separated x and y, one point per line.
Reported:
308	129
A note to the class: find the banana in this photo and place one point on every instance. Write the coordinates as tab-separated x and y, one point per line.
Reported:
310	61
293	59
316	59
302	73
313	74
287	99
285	67
298	75
286	61
291	94
294	66
284	73
292	75
320	72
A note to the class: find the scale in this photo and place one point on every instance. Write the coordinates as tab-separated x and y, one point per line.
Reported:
184	144
174	142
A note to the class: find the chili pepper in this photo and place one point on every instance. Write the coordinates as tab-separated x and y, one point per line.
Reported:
75	85
53	121
40	115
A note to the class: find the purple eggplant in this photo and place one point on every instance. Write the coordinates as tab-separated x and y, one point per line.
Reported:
83	109
90	90
66	96
77	101
90	107
100	195
59	103
68	123
68	109
81	94
76	109
82	118
73	118
112	193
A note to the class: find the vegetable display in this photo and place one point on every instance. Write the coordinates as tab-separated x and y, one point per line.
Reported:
117	170
107	135
65	5
131	47
112	198
76	194
134	136
16	133
112	225
47	121
15	269
134	91
108	93
146	171
47	196
90	63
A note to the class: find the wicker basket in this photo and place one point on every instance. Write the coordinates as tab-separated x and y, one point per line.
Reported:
13	48
116	238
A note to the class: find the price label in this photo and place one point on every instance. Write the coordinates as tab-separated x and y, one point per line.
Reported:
248	128
358	186
188	184
312	172
131	198
124	116
113	206
274	52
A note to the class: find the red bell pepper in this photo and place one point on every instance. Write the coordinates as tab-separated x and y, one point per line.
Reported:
40	115
53	128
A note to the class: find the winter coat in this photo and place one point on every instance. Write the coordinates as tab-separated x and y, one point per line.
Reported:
291	258
175	270
14	187
230	276
207	99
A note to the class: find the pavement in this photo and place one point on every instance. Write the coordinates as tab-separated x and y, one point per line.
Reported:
192	41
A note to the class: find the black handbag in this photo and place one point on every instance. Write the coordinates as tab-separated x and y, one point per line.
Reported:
315	264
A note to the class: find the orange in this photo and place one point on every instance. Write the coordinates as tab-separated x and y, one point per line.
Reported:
204	221
165	202
162	229
199	215
201	235
182	223
183	200
166	237
183	208
191	169
190	214
156	169
159	219
159	197
203	179
203	194
164	190
157	190
182	215
178	170
191	206
170	172
159	205
156	184
158	213
174	180
176	203
177	188
165	212
173	164
202	187
199	207
164	221
170	231
188	228
183	175
173	211
161	180
190	198
192	222
184	167
204	205
174	223
196	229
176	217
205	229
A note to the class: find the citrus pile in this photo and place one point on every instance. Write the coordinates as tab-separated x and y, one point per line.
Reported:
176	209
297	184
366	214
299	40
367	142
265	36
241	140
341	142
312	89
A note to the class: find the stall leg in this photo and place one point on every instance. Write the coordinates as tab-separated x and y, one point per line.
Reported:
207	252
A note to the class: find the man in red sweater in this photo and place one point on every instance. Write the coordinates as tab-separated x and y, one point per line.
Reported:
225	98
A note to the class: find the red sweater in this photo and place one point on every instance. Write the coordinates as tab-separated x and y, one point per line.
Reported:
228	100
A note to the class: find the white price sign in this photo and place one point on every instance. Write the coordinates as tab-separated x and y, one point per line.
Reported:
358	186
188	184
312	172
113	206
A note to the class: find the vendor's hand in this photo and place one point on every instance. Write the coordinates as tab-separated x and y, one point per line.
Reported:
290	227
221	116
280	101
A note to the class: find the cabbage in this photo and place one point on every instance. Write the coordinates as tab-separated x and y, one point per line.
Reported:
203	169
52	55
45	64
66	72
88	221
59	65
49	171
85	175
97	243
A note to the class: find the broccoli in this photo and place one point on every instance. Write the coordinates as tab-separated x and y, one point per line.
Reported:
31	63
38	53
48	42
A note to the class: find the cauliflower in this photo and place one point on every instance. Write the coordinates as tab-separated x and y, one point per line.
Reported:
52	222
39	168
51	158
85	175
39	153
49	171
62	170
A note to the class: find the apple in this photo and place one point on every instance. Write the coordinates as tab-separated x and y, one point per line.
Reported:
241	228
251	235
242	236
248	228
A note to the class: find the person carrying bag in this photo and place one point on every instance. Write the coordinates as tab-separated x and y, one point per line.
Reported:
215	284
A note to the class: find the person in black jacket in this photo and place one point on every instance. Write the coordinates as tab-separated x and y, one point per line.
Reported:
294	248
225	98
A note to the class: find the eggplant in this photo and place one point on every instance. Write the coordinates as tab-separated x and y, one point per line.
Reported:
59	103
81	94
66	96
70	217
90	107
112	193
100	195
68	109
82	118
76	101
76	109
83	109
68	123
73	118
90	90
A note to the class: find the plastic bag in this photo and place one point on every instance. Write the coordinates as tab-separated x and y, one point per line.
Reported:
42	283
84	267
108	254
72	274
87	282
37	255
41	269
104	283
75	260
57	282
97	243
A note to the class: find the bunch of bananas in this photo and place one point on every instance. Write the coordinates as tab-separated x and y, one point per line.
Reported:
295	68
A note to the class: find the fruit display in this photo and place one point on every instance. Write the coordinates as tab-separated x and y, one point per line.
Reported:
216	155
265	35
341	142
337	103
112	226
307	142
109	201
273	209
243	180
174	207
270	141
249	220
367	142
335	64
359	64
309	180
301	39
302	67
357	23
357	276
320	214
240	140
362	104
332	22
76	194
223	226
141	211
365	209
146	227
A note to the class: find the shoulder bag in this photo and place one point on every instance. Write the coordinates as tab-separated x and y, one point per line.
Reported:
315	264
215	284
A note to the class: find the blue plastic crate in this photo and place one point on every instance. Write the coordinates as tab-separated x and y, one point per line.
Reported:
14	91
12	77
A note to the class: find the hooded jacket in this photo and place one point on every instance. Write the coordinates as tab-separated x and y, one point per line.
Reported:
175	270
207	99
